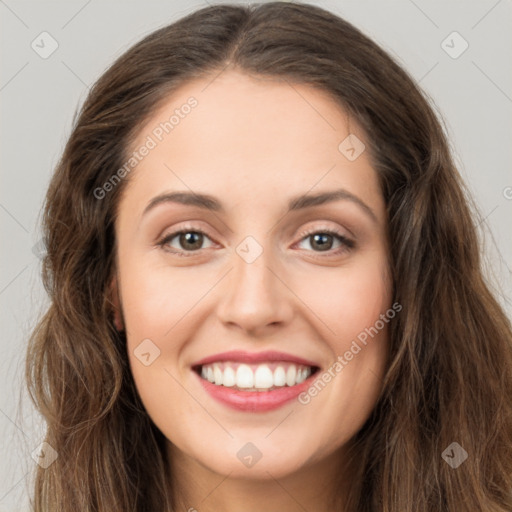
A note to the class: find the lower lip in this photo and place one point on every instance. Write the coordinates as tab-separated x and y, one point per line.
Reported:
255	401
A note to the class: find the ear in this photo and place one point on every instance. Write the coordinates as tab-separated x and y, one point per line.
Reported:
116	304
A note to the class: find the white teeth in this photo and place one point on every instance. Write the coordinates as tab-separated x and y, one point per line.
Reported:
263	377
279	376
291	373
229	378
217	374
260	377
244	376
301	376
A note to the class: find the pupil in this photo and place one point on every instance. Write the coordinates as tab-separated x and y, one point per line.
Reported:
193	239
322	239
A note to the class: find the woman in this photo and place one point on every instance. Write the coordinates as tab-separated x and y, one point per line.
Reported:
265	285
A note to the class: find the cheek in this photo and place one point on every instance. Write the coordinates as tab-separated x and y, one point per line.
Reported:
347	300
162	305
152	310
156	299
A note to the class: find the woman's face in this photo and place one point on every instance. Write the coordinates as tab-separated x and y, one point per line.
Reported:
278	275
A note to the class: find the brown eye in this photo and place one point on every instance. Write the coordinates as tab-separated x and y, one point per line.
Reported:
185	241
191	240
327	241
321	241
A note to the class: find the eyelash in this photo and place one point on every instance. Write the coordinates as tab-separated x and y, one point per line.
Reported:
347	244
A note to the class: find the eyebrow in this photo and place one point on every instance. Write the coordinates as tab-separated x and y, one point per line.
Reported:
296	203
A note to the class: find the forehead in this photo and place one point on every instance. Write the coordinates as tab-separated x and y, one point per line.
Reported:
239	135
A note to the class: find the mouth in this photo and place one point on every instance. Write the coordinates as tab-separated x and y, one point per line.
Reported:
263	377
255	382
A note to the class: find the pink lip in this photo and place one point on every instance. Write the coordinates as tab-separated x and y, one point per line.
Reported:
255	401
254	357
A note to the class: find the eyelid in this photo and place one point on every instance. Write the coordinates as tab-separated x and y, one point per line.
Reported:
323	229
186	226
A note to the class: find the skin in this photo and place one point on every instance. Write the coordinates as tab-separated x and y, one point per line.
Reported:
253	143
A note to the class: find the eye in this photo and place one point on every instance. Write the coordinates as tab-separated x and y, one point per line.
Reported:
185	240
325	240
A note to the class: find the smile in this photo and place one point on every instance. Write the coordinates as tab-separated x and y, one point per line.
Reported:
255	377
254	382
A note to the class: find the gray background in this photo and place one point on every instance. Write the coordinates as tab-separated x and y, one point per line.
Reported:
39	97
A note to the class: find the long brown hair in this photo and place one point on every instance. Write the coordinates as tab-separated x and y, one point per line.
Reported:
449	377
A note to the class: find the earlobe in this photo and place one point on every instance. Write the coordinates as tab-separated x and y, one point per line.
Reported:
116	305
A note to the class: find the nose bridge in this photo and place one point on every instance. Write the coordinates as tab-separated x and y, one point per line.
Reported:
253	296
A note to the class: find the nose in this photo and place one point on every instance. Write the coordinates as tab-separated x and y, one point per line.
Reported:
254	296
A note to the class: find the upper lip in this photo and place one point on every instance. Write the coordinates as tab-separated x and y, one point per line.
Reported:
254	357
